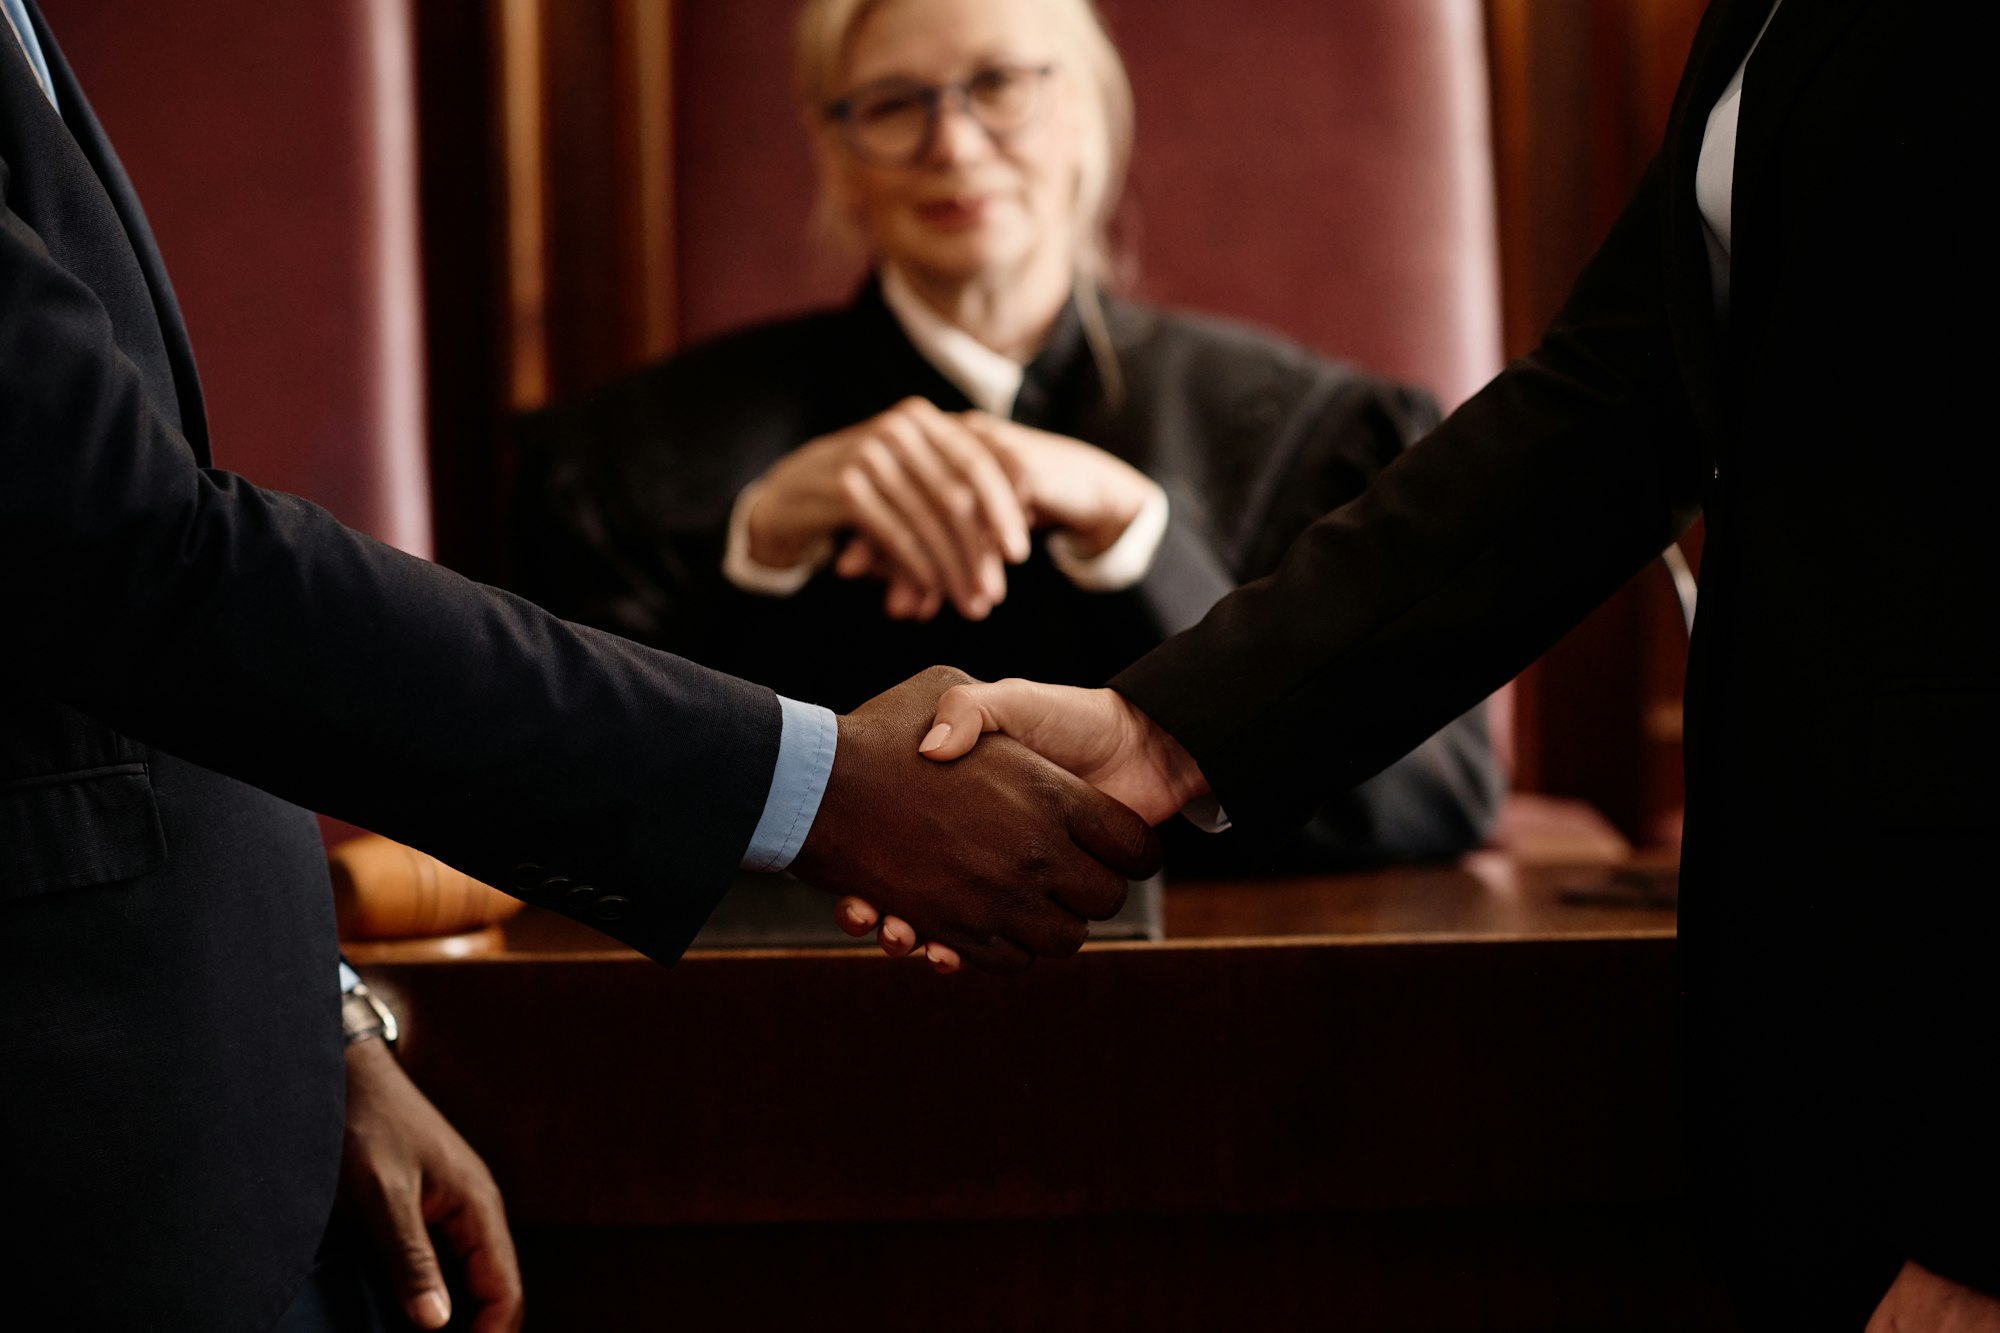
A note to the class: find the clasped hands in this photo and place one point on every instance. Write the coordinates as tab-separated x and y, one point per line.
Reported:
1000	854
936	504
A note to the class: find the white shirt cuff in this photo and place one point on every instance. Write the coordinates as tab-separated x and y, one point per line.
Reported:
1126	561
747	574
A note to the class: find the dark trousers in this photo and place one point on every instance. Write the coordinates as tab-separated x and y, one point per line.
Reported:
344	1293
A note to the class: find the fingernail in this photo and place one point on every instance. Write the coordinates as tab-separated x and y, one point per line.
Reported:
433	1310
935	738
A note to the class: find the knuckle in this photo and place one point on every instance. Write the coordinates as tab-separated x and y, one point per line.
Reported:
385	1194
484	1195
875	456
417	1263
951	683
1035	861
1068	937
1001	956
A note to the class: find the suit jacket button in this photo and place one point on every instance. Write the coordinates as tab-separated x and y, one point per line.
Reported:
610	907
580	897
527	875
553	886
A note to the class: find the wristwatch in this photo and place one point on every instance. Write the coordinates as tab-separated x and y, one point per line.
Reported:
362	1016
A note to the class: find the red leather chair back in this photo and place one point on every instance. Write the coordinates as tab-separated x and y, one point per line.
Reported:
1321	167
274	147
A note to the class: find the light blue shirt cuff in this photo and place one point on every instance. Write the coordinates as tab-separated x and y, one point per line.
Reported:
348	979
805	761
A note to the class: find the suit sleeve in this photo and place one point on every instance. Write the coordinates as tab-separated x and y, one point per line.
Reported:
249	632
1399	611
1440	799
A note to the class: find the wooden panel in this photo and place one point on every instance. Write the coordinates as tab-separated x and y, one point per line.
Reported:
1135	1079
465	293
1410	1099
1581	1270
523	118
647	235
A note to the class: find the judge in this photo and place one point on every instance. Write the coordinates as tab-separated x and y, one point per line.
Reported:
985	458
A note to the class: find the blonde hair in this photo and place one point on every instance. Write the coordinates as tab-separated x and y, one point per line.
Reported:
826	27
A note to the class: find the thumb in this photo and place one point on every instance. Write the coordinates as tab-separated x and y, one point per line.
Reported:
397	1220
965	713
1072	728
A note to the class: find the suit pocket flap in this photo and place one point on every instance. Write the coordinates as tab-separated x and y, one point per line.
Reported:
72	830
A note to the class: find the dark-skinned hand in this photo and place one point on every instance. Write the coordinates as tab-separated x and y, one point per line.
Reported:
405	1170
999	855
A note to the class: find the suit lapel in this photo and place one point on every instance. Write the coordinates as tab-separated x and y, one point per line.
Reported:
1800	39
90	137
1801	35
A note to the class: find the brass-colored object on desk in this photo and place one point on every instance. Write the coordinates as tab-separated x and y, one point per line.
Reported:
383	890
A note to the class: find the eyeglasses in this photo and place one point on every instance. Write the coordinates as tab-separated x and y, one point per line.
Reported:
895	122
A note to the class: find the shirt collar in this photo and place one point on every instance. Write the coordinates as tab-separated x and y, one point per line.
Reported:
989	379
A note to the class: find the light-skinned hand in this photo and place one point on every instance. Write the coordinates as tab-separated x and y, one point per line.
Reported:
1060	483
1920	1301
919	487
1065	483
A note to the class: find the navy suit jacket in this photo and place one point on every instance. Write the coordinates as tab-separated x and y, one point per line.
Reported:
190	663
1838	904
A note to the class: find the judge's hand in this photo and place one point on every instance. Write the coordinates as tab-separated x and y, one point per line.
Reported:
916	486
1919	1301
1001	857
1064	483
1096	734
404	1170
1061	483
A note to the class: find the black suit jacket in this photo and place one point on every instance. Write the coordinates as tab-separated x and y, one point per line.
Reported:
626	494
1844	692
188	662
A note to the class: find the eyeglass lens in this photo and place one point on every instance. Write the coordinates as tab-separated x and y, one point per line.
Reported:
895	121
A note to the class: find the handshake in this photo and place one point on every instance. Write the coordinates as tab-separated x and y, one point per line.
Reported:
996	851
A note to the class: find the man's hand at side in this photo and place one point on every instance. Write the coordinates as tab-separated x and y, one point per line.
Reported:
1002	857
1096	734
404	1169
